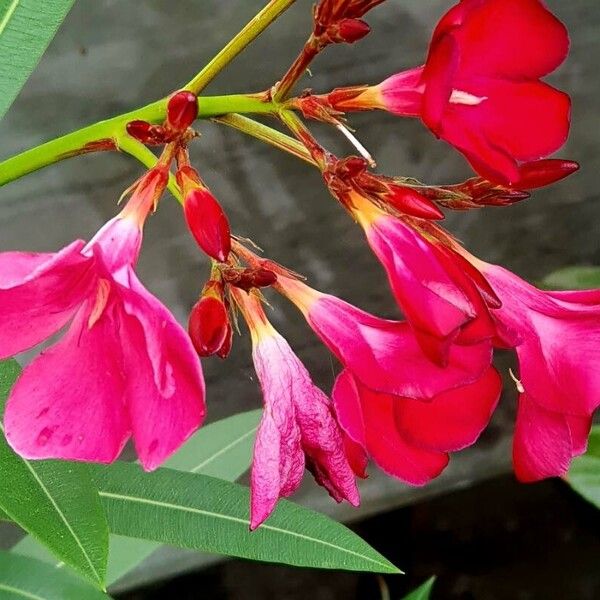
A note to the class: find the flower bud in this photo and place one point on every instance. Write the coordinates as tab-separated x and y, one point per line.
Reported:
348	31
182	110
411	202
209	327
539	173
208	223
146	133
249	277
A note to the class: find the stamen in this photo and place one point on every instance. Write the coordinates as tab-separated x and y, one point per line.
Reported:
460	97
517	381
361	149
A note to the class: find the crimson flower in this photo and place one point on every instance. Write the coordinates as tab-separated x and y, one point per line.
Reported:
410	439
125	367
384	355
480	87
556	336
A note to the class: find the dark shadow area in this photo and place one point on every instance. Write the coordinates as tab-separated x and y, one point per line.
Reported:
499	540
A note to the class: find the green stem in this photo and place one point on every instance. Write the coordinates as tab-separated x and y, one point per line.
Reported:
247	35
103	135
267	134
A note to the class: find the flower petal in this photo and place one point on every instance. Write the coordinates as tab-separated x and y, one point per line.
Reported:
68	403
383	442
542	442
453	420
165	387
39	293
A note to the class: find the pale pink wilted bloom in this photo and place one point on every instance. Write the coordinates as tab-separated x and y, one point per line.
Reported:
556	336
125	368
298	428
410	439
384	354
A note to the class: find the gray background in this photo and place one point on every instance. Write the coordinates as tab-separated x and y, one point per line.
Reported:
113	55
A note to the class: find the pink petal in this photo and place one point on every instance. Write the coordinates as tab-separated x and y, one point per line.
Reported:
39	293
68	403
165	387
580	430
118	243
402	93
386	356
559	354
431	300
384	443
453	420
542	442
278	462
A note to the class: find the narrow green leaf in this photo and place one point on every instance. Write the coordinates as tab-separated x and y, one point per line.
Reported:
54	501
200	512
24	578
222	449
26	29
584	475
423	592
573	278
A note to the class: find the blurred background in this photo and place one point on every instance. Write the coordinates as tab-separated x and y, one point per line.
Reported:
484	535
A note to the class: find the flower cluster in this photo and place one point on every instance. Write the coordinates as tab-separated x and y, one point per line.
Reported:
409	393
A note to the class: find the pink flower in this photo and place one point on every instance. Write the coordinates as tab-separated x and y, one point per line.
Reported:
124	368
440	300
480	88
556	336
384	355
298	428
410	439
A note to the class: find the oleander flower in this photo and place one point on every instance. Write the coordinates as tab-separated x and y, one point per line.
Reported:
384	354
480	87
124	368
298	429
556	336
410	439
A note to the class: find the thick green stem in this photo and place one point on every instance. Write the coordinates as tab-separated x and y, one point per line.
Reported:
247	35
104	134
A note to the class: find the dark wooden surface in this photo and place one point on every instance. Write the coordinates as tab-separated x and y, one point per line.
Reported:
113	55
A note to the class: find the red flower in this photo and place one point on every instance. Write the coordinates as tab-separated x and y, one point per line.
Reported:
480	88
410	439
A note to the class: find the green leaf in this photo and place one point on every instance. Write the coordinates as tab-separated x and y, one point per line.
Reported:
584	474
26	29
573	278
423	592
199	512
54	501
222	449
24	578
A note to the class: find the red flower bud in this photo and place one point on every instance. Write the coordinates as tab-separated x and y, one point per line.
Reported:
410	202
182	110
539	173
249	277
146	133
209	326
208	223
348	31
